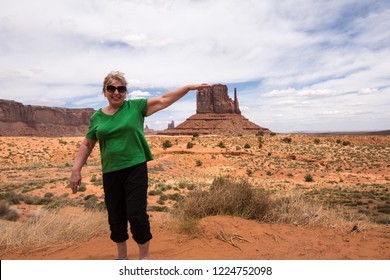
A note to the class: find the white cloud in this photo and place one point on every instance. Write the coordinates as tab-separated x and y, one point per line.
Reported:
308	56
139	94
368	90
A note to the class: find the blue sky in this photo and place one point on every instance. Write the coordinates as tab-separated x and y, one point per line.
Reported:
297	65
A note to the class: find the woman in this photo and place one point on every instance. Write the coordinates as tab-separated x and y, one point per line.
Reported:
124	152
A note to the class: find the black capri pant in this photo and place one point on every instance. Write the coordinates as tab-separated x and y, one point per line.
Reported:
126	198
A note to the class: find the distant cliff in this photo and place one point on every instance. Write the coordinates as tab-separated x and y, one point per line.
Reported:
17	119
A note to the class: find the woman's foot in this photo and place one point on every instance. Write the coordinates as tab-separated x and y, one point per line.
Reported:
144	251
122	250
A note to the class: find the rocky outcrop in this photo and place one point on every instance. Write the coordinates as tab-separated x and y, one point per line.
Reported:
17	119
215	100
149	131
219	124
216	113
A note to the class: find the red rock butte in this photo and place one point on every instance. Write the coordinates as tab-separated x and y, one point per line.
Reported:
216	113
17	119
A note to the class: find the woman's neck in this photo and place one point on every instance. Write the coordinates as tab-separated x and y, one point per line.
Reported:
110	110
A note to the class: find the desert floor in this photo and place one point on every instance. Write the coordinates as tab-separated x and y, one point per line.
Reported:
350	174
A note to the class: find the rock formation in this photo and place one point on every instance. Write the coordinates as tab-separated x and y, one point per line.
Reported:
216	113
171	125
215	100
149	131
17	119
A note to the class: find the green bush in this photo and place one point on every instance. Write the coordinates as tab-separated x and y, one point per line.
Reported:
167	144
309	178
221	145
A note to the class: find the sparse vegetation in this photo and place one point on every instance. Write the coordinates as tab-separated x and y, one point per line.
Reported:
8	213
167	144
226	196
312	181
45	229
309	178
221	145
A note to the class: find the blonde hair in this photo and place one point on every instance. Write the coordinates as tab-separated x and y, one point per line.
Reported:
114	75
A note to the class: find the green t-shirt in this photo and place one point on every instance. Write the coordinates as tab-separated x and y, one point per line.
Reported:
121	136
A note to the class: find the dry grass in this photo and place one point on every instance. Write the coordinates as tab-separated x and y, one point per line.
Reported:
297	210
237	197
226	196
52	229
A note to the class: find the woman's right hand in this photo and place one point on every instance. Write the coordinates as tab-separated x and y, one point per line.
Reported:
75	180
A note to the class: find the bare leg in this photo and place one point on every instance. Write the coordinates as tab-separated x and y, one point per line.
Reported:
122	250
144	251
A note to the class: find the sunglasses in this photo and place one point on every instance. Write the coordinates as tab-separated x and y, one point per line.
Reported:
112	89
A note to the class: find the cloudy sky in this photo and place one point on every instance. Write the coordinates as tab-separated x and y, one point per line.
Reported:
298	65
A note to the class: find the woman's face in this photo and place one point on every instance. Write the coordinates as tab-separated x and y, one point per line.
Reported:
115	92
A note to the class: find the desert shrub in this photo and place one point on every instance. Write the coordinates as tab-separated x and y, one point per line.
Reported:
198	162
60	202
383	219
167	144
83	187
49	195
221	145
176	197
93	178
11	197
346	143
163	187
158	208
384	208
287	140
317	141
155	192
4	207
247	146
188	186
260	133
190	145
32	200
8	213
309	178
226	196
91	202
